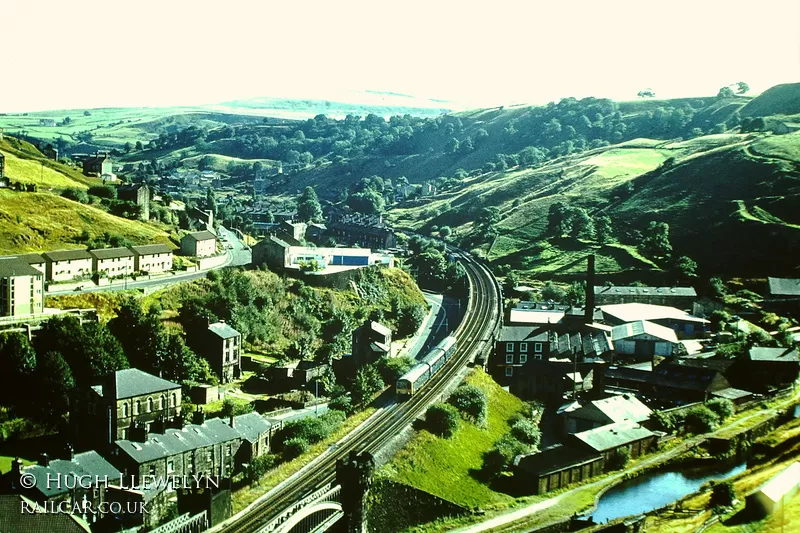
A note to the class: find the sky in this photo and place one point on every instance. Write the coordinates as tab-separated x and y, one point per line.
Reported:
86	53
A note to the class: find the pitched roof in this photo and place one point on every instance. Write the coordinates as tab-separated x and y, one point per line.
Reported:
223	330
613	435
535	316
779	355
784	286
12	266
731	393
174	441
644	291
31	258
111	253
67	255
523	333
251	426
643	327
631	312
151	249
554	458
83	464
200	235
133	382
13	520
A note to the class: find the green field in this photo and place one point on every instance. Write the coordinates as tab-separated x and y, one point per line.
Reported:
445	467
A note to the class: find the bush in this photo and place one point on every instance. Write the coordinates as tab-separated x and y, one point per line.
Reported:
294	448
526	432
103	191
701	419
259	466
722	407
442	419
619	458
723	494
664	421
471	402
76	195
502	455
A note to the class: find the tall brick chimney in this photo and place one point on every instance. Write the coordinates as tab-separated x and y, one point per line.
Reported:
589	309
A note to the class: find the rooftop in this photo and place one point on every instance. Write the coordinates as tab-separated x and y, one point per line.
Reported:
204	235
111	253
784	286
250	426
83	464
223	330
782	483
631	312
13	266
31	258
151	249
778	355
11	519
133	382
643	327
613	435
67	255
535	316
623	407
523	333
642	291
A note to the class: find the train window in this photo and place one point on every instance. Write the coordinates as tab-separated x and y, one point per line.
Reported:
509	371
523	358
509	346
523	347
537	347
509	358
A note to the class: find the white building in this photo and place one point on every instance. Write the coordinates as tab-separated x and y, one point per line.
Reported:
644	339
152	258
68	265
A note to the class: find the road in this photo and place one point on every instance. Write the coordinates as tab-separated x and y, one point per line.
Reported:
237	255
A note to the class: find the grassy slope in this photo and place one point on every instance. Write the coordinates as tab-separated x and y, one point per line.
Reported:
42	221
783	99
25	164
442	466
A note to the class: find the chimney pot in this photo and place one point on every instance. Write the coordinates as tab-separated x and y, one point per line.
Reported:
44	460
233	422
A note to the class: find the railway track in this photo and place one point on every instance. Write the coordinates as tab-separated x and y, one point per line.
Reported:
474	334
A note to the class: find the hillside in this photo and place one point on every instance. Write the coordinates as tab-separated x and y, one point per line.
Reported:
33	222
26	164
779	100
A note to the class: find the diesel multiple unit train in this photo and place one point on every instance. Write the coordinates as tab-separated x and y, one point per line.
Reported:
420	373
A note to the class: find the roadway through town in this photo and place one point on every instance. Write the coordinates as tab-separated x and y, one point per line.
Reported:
475	336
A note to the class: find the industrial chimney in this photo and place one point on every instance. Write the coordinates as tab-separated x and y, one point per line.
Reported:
589	309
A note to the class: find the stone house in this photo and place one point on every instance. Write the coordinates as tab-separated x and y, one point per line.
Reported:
255	431
221	346
97	165
555	467
113	262
68	265
152	258
111	410
50	152
12	519
137	193
21	288
771	368
679	297
199	244
671	382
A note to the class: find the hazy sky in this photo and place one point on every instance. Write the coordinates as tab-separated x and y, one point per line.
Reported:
84	53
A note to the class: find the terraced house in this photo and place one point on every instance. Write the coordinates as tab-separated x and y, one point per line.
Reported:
68	265
152	258
123	401
113	261
21	288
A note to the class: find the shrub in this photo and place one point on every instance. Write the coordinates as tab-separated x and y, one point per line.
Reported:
471	402
442	419
103	191
294	448
502	455
526	432
723	494
76	195
722	407
664	421
259	466
619	458
701	419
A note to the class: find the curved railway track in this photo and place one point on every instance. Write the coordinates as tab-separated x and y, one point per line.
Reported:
474	334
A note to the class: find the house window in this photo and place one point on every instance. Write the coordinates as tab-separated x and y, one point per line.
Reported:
523	347
170	465
137	408
149	405
509	371
537	356
152	470
509	358
537	347
523	358
124	410
174	399
509	346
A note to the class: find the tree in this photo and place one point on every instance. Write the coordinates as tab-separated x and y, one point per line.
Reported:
294	448
502	454
742	87
54	384
18	361
471	402
701	419
723	494
655	242
526	432
619	458
722	407
582	224
553	293
211	201
139	147
441	419
367	383
445	232
452	146
511	281
646	93
142	336
308	207
685	267
725	92
392	368
602	228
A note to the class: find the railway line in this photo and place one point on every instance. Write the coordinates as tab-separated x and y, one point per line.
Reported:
475	335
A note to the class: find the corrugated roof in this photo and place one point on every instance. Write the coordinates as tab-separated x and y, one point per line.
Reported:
643	327
223	330
645	291
151	249
631	312
111	253
12	266
780	355
67	255
784	286
204	235
613	435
